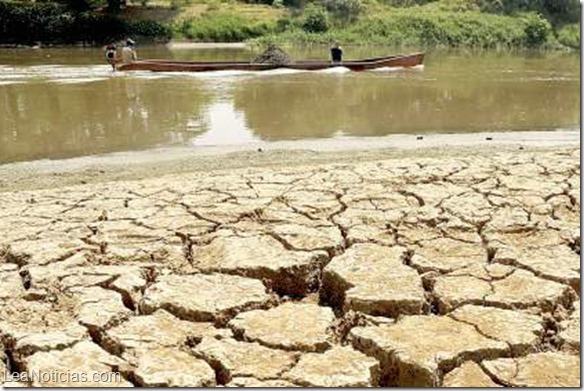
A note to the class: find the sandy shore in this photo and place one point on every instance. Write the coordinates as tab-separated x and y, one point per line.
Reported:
434	266
156	162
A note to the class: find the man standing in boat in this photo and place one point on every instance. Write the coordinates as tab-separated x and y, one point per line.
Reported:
128	52
111	55
336	53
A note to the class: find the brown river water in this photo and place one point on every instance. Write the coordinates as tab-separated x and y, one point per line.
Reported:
62	103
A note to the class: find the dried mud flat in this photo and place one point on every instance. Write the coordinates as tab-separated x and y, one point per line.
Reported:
453	271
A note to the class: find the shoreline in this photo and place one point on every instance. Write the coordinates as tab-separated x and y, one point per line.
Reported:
129	166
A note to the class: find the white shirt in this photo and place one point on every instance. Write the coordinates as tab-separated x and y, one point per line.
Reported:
128	55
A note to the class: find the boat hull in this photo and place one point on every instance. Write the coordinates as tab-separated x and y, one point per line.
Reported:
405	61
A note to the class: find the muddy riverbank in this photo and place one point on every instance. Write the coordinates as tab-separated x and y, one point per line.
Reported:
157	162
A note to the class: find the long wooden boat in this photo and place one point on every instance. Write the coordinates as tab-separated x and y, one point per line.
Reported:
400	60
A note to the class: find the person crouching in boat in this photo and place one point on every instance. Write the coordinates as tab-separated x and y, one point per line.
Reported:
336	53
111	55
128	52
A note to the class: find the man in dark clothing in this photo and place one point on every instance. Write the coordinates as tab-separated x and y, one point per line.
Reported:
111	55
336	53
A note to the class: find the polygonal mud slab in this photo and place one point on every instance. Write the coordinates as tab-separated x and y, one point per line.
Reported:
31	326
549	369
11	284
262	257
171	367
468	374
161	329
43	252
3	366
123	242
83	365
364	225
255	383
509	219
290	326
556	263
232	211
202	297
423	225
470	206
570	330
524	239
337	367
445	255
435	192
76	272
324	237
539	186
177	219
499	286
232	358
373	279
317	204
522	331
99	308
416	350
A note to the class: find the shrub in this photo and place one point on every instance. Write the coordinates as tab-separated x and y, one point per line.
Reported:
223	27
570	36
537	30
315	19
27	23
149	29
407	3
416	26
345	11
284	24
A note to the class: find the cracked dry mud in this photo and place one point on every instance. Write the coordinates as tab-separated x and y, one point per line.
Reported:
458	271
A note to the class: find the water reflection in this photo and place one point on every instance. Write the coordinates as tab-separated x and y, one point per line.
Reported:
226	126
50	111
42	120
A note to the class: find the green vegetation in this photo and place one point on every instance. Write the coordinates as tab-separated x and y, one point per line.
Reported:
27	23
419	27
425	23
218	26
570	36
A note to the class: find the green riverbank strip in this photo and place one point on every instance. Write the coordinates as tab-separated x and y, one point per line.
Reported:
423	23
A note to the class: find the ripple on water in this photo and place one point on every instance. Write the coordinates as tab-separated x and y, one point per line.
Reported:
61	74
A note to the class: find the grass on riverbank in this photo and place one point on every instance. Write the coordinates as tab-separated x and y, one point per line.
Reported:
419	27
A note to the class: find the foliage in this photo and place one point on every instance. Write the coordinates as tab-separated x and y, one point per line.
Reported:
149	29
345	11
407	3
51	22
222	27
468	23
419	27
556	11
537	29
33	22
315	19
570	36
